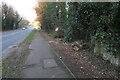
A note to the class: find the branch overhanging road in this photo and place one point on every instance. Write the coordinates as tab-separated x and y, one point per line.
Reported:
10	38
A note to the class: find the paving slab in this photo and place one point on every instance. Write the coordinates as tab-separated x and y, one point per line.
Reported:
49	63
41	63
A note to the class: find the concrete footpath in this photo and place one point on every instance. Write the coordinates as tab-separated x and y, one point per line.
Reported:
42	62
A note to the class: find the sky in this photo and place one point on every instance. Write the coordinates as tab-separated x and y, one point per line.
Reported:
24	8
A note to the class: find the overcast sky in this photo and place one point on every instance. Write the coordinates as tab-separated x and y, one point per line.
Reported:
24	7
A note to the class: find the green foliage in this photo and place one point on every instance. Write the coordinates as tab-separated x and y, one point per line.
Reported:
86	21
10	18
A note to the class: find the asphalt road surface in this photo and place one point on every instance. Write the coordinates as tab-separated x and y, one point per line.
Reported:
14	37
10	38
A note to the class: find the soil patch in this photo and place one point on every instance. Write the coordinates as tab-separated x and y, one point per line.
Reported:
81	63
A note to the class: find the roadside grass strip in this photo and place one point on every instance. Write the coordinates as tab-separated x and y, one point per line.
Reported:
12	65
30	36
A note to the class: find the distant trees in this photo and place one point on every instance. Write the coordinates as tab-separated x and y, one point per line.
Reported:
10	18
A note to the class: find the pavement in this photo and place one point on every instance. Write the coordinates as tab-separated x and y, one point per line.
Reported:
42	61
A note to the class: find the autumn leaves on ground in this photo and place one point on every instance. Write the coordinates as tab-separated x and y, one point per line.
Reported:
92	30
81	63
85	36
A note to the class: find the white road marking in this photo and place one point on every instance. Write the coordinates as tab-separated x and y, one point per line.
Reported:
11	34
30	47
13	46
10	47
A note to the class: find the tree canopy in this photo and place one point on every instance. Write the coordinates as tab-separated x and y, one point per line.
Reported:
10	18
98	22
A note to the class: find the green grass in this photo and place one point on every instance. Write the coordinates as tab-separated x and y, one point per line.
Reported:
0	68
8	66
11	65
30	36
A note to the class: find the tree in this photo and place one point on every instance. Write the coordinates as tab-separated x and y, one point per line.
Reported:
97	22
10	18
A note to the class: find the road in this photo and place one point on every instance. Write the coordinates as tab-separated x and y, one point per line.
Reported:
14	37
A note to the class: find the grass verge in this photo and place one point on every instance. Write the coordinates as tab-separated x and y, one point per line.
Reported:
12	65
30	36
